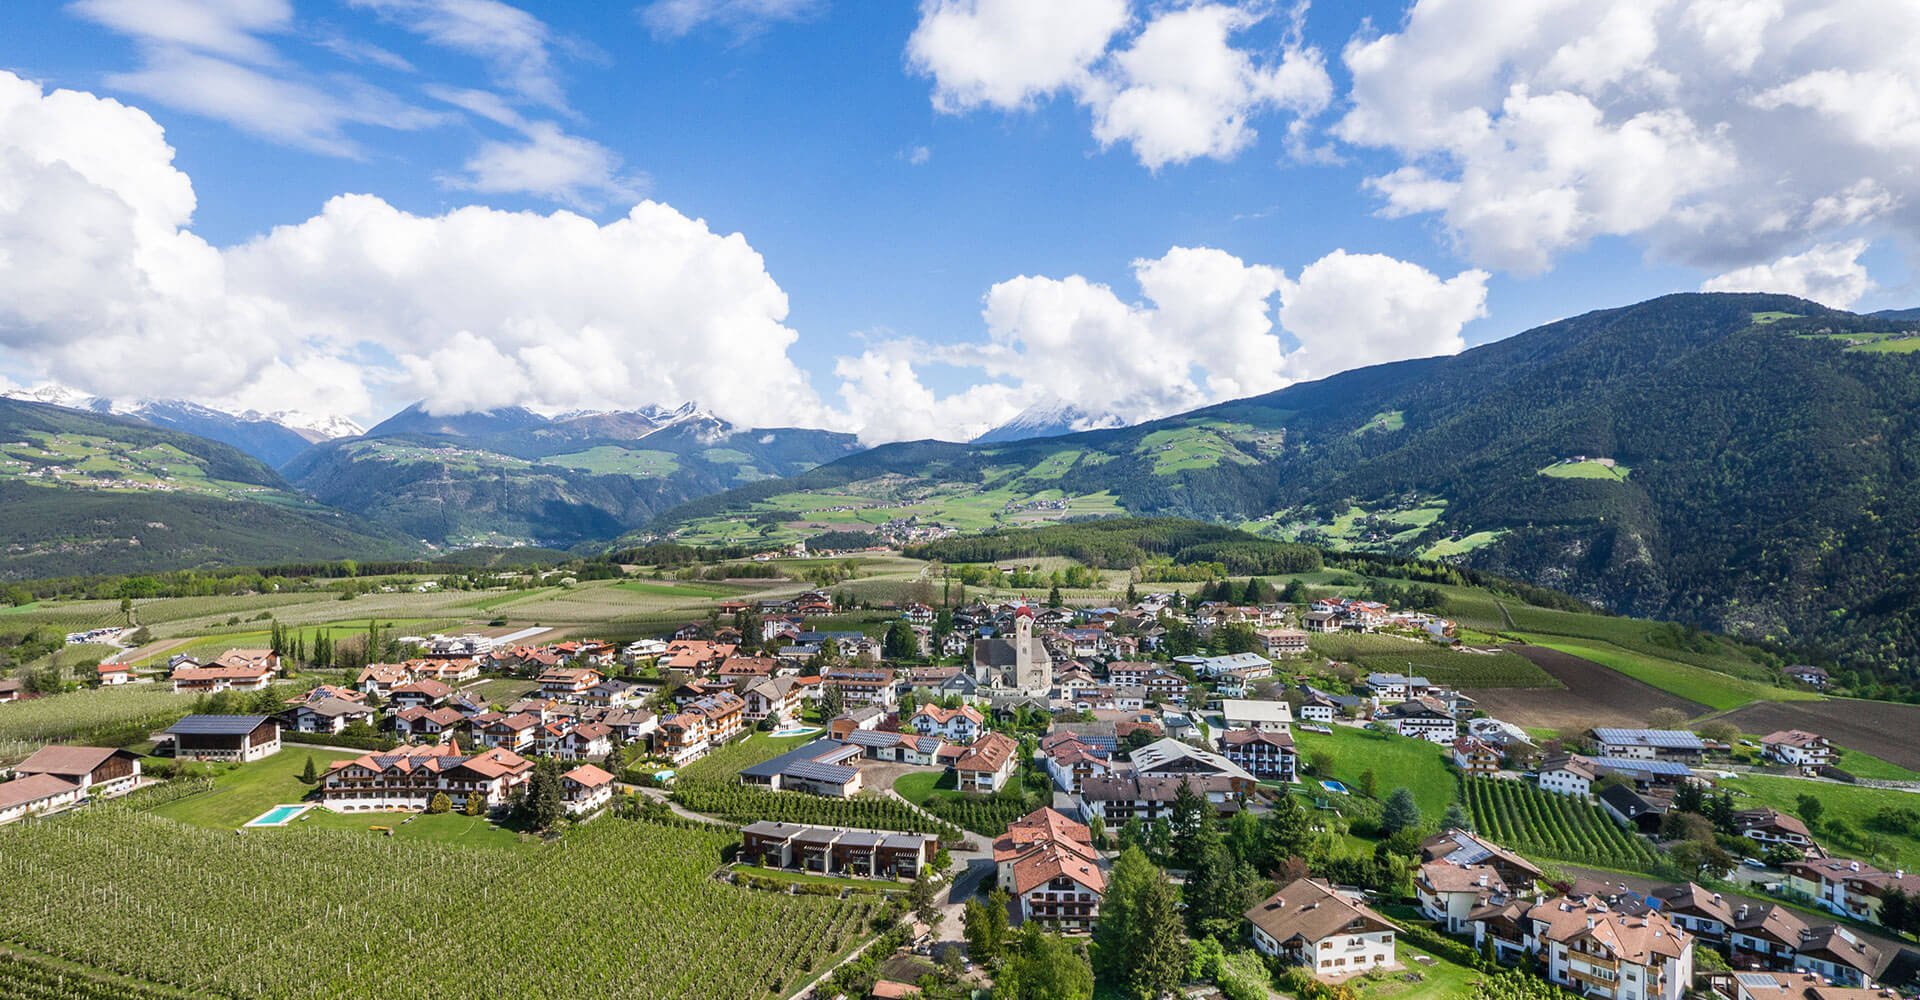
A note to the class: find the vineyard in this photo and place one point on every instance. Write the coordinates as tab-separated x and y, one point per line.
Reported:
114	715
1539	823
618	908
21	978
988	815
748	804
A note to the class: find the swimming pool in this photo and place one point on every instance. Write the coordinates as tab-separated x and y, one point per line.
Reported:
1334	786
796	731
279	815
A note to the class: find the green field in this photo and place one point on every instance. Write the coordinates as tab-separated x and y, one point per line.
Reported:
1894	843
1448	548
1890	345
1589	469
613	460
1394	654
1865	765
1395	761
101	463
1386	421
1708	687
1186	449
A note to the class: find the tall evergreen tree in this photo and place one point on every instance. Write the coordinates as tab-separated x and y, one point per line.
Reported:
1287	831
1137	943
1042	966
1400	812
1218	890
1192	820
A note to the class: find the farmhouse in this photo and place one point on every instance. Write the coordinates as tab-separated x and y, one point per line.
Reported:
1649	744
826	850
1770	828
1568	774
1854	887
581	742
35	794
1423	718
95	771
1309	923
1797	747
1396	687
191	677
1269	756
382	678
1476	756
239	738
408	777
114	674
514	732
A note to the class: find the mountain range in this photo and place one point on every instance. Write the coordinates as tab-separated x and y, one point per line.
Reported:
273	438
1744	462
1749	463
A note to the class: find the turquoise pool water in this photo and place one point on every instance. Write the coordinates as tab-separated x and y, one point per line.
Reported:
278	815
1334	786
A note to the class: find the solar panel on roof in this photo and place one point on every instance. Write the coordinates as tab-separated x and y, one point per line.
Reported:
808	770
1664	739
1660	767
216	725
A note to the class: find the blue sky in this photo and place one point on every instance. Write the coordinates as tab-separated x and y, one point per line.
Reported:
849	146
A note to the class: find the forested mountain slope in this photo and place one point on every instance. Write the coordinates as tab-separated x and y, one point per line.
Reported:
514	477
1743	462
90	493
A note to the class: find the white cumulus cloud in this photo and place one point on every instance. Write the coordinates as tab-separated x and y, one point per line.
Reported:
101	275
1830	274
1210	327
1717	133
1173	86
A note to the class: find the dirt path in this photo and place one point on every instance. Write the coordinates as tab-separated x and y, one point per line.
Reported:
1593	696
149	650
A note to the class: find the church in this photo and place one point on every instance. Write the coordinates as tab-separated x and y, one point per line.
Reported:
1019	664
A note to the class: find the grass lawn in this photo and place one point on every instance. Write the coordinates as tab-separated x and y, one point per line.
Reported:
505	690
808	878
1589	469
1865	765
919	786
1438	979
671	588
1708	687
244	793
1395	761
1897	844
247	791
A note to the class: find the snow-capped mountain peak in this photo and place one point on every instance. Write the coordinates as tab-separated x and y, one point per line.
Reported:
1047	419
56	395
312	426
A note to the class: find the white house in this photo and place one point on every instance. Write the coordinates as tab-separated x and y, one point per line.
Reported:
1309	923
1798	748
1569	775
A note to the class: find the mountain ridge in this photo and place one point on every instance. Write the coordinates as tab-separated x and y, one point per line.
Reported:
1695	457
